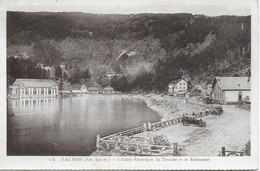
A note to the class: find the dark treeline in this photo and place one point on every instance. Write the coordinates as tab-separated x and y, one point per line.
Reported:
24	68
228	52
193	28
79	75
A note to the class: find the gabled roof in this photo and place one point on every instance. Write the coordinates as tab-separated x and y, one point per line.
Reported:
176	81
35	82
83	86
233	83
93	88
108	88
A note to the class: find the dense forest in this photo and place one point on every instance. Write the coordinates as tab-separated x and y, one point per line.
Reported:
24	68
147	50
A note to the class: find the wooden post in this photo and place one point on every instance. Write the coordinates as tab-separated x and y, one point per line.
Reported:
223	151
175	149
107	146
117	146
149	126
97	142
145	127
137	149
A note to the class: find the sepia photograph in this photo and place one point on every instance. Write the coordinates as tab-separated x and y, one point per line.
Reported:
130	80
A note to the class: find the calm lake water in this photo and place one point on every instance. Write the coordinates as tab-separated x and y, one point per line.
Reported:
69	126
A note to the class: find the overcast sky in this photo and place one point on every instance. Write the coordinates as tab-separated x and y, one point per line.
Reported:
206	7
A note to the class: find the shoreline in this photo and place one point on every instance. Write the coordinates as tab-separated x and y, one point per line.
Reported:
196	141
167	107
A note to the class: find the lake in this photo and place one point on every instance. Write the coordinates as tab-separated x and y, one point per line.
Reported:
69	126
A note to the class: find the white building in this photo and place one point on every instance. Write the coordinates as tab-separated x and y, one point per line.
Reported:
108	90
93	90
231	89
209	89
30	88
110	75
84	88
176	86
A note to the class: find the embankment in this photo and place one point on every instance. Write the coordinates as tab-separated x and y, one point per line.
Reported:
167	106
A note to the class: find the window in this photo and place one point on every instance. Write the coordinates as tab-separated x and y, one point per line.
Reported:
49	90
34	90
180	83
183	83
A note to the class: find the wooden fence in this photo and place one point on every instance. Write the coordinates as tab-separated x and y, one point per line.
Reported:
115	141
162	124
138	148
166	123
227	153
129	132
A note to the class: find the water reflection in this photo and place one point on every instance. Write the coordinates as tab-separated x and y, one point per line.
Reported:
32	106
69	126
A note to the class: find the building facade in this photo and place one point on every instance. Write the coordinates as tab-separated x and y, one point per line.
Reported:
231	89
108	90
110	75
84	88
92	90
177	86
33	88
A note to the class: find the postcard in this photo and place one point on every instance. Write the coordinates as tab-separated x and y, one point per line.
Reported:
115	84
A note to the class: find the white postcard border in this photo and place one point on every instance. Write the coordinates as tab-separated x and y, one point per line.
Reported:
55	162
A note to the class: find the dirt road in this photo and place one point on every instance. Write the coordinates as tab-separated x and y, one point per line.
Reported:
231	130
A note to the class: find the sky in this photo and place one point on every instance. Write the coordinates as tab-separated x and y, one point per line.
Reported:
206	7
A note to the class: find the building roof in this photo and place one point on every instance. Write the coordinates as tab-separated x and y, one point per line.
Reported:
233	83
109	88
92	88
78	91
176	81
35	82
83	87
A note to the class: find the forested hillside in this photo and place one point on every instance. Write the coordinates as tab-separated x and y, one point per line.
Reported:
147	50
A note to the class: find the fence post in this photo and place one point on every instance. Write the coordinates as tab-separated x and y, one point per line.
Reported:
175	149
145	127
97	142
117	146
149	126
223	151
